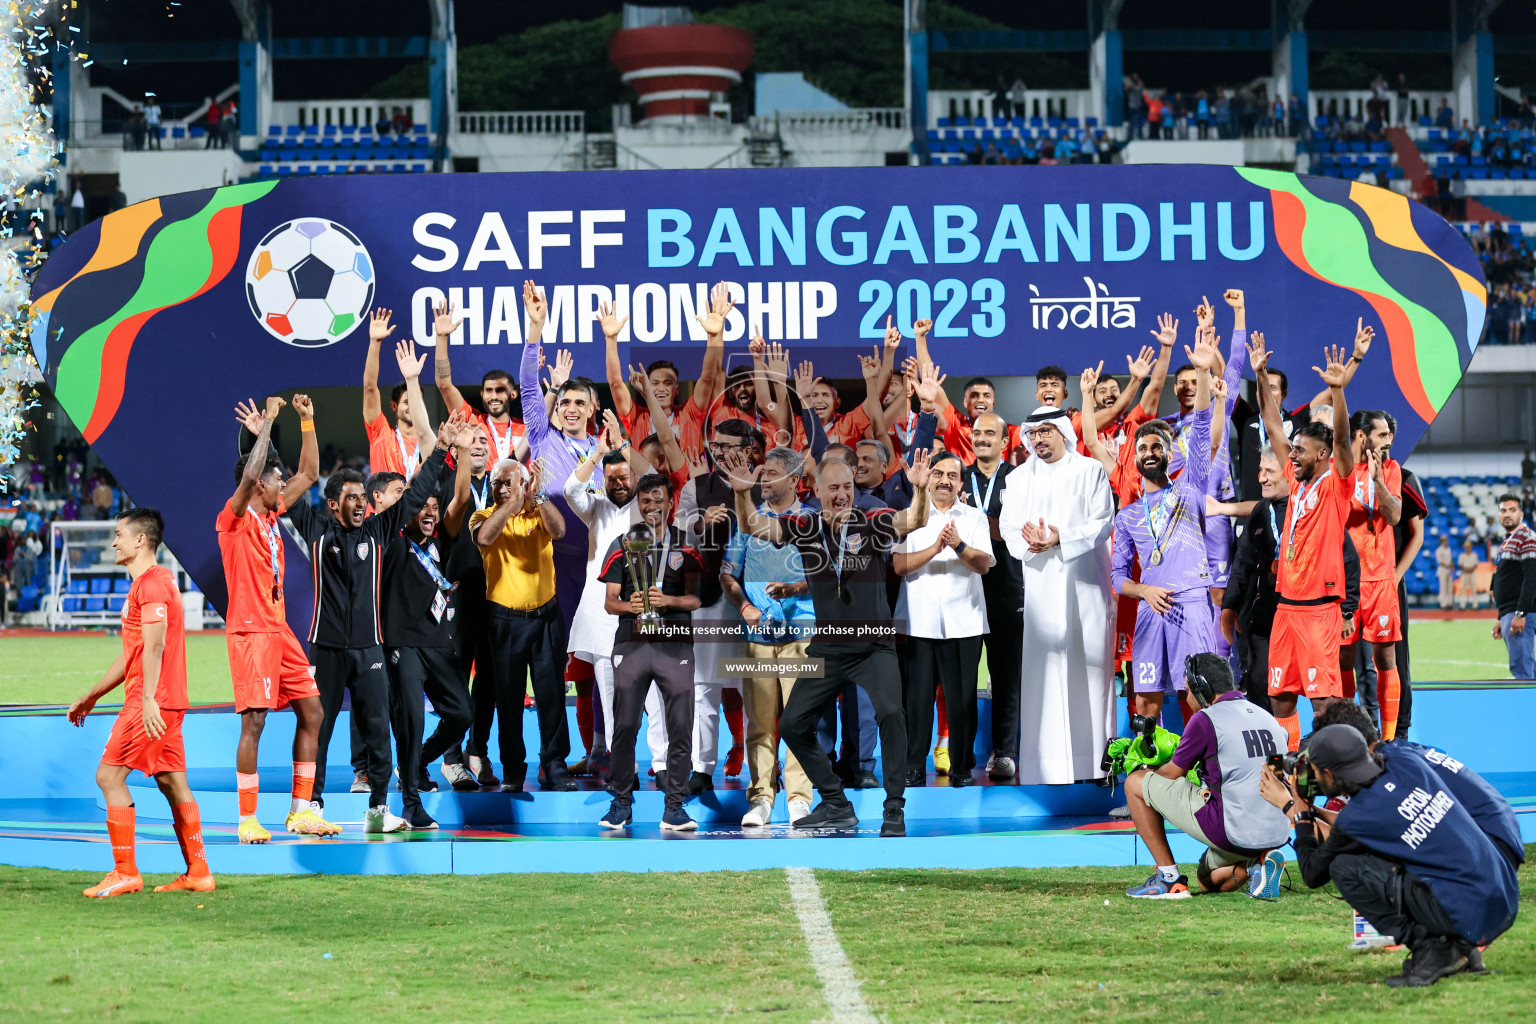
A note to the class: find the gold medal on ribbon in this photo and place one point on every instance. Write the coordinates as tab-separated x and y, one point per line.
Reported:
1290	554
1157	558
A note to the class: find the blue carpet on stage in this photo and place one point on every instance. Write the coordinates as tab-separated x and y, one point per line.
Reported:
53	814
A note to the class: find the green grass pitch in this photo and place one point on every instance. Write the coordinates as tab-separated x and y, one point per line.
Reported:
926	946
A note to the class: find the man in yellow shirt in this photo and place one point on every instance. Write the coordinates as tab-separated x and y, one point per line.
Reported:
516	540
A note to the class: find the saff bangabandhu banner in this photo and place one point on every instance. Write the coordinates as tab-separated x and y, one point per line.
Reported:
199	299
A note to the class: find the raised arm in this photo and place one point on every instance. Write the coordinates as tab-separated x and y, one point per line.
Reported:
874	390
1091	439
411	366
901	400
461	434
1269	412
1166	334
915	515
758	349
379	328
613	325
256	460
528	389
444	323
776	363
712	374
815	434
766	528
309	453
1333	376
920	331
660	425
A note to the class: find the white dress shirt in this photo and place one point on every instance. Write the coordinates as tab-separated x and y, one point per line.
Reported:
943	599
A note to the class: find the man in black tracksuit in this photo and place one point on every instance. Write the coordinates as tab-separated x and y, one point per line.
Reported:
420	611
346	638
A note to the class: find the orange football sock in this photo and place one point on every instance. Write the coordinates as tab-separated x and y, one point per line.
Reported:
730	704
1347	678
248	786
1389	689
941	716
303	781
1292	726
120	832
189	833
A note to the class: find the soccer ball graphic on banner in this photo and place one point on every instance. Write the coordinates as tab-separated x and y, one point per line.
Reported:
310	282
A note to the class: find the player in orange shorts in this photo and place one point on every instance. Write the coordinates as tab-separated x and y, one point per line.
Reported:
267	666
147	735
1304	641
1376	505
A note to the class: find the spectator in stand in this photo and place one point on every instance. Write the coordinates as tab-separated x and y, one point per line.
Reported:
1402	100
136	129
152	119
1202	114
229	124
1514	589
1001	105
1018	97
402	121
1444	565
212	138
1135	102
1155	110
1445	118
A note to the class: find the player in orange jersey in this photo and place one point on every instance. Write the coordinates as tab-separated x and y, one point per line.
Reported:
268	668
394	449
1304	641
147	734
1375	507
507	434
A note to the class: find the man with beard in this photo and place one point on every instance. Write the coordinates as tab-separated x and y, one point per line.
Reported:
942	565
557	442
346	641
392	450
420	648
1248	606
1409	538
516	540
1304	645
687	417
606	507
659	656
1056	518
846	553
1165	531
466	569
505	430
1375	507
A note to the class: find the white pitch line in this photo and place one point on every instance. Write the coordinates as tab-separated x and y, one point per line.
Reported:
839	986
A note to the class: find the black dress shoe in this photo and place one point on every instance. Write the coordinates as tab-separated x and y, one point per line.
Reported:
895	824
660	779
698	782
916	777
961	780
828	814
558	782
865	779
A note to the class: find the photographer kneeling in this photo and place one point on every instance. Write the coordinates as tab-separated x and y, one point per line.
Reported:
1410	851
1229	740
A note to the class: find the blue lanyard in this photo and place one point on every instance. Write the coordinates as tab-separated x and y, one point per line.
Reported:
481	493
1170	509
1368	499
577	451
1274	528
984	503
428	564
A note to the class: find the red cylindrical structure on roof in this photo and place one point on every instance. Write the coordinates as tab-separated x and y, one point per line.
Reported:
675	68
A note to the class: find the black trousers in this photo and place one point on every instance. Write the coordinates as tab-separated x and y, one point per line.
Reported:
524	642
1253	652
1397	903
860	734
415	673
876	669
950	665
1405	691
362	671
1005	663
668	664
474	656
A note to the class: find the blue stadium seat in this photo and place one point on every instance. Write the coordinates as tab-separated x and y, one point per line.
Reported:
79	586
304	169
101	585
323	169
997	122
274	131
942	122
294	129
418	168
266	170
70	604
312	129
94	604
115	603
330	129
1017	122
933	134
1425	122
398	168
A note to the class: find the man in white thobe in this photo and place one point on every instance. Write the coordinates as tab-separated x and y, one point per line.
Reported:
1057	510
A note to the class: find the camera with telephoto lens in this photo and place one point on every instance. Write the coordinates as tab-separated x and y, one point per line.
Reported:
1293	763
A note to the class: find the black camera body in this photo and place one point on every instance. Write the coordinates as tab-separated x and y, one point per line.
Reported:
1293	763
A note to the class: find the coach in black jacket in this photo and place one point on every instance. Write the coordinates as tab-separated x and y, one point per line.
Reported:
346	638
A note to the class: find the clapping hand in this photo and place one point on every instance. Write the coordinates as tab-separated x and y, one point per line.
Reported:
1040	537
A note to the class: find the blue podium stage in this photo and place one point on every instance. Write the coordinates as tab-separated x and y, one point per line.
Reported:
53	814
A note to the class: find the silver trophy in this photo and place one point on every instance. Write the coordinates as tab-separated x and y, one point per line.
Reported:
637	546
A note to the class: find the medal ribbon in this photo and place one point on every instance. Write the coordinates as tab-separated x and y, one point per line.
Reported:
432	569
1298	512
407	460
1168	504
275	548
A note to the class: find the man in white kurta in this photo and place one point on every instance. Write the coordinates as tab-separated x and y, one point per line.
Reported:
1057	510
